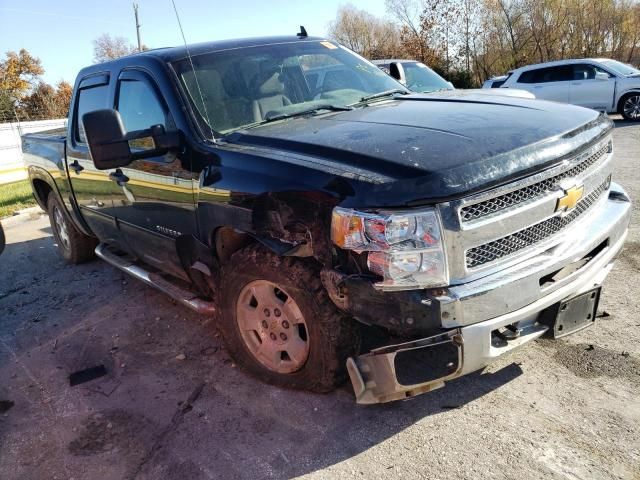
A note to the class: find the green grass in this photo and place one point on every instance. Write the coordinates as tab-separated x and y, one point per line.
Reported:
15	196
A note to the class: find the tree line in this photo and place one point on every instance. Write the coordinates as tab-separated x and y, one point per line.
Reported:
25	96
469	41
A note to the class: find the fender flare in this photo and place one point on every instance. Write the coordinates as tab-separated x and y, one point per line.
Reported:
38	173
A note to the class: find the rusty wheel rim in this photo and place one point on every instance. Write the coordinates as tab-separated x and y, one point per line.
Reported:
272	327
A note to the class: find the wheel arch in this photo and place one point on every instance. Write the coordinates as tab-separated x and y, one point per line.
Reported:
226	240
623	96
41	191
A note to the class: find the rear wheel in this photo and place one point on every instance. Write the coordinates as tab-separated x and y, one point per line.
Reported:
279	323
74	246
630	107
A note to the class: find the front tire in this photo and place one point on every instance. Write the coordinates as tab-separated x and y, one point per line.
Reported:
279	323
629	107
3	241
74	246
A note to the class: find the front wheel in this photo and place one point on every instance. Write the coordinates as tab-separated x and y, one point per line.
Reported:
2	239
279	323
630	107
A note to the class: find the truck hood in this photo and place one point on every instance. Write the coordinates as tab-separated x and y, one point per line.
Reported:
426	148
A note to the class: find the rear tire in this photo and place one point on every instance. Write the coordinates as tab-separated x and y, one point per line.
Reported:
279	324
629	107
74	246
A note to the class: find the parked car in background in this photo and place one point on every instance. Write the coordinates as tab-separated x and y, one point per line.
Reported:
417	77
495	82
598	83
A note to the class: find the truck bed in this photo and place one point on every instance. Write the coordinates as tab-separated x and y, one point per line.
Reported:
45	150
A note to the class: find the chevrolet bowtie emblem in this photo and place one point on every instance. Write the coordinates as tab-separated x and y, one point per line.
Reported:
570	199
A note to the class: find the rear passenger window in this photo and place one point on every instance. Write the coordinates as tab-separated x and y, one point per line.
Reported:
561	73
89	99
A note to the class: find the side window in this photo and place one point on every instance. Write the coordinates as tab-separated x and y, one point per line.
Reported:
140	108
385	68
89	99
562	73
582	71
528	77
394	71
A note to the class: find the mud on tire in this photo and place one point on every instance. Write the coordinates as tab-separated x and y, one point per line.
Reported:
74	246
331	335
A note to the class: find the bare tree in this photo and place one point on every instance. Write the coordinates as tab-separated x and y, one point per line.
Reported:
106	48
471	40
364	33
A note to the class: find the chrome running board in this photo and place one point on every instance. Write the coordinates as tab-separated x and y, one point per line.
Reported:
156	280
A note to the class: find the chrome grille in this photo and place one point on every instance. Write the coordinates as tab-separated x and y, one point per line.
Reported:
529	236
530	192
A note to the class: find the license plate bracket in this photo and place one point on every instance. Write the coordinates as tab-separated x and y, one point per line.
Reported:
576	313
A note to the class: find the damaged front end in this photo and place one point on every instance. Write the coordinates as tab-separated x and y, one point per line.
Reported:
404	370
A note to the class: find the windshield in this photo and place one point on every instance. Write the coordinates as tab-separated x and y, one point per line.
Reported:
248	86
421	78
621	68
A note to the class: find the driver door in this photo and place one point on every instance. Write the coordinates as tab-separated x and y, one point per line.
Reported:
157	205
588	91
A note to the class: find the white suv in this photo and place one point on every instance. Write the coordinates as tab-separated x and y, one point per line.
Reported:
599	83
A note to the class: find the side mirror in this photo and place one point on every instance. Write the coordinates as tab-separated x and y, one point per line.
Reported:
106	138
110	145
602	76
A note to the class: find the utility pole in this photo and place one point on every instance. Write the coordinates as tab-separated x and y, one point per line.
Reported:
135	12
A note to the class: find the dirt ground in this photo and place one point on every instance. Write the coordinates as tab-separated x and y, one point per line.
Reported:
568	409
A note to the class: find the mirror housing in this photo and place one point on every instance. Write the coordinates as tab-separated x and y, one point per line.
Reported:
602	76
109	142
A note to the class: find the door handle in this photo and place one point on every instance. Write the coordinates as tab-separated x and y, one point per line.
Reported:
118	177
576	83
76	167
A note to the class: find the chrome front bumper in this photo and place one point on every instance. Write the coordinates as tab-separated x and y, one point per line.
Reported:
471	313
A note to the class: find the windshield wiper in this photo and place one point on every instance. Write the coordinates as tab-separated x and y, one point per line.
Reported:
386	93
309	111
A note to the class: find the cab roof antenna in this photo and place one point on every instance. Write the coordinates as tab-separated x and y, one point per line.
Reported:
195	77
303	32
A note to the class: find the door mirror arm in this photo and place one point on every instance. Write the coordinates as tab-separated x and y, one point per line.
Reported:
163	141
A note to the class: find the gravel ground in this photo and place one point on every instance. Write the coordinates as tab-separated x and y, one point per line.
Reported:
173	405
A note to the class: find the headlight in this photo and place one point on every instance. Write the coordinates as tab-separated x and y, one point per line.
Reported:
405	248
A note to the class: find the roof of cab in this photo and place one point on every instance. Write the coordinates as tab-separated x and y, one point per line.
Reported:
171	54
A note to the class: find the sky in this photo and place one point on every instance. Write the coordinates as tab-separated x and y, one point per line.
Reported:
61	32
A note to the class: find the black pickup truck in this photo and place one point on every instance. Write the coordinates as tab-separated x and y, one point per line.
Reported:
314	206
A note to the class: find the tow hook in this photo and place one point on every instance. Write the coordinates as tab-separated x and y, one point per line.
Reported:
404	370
